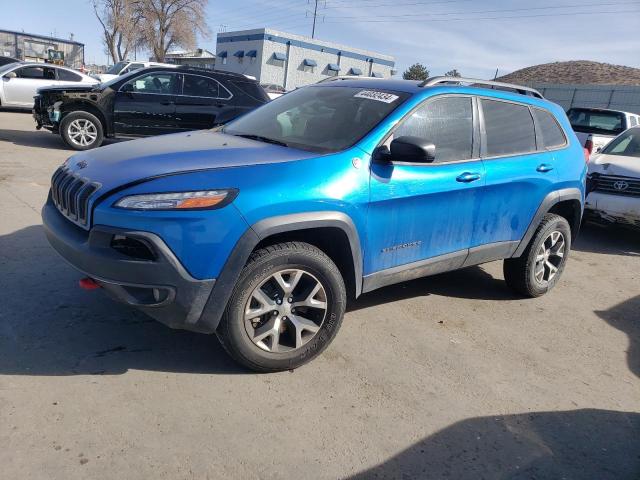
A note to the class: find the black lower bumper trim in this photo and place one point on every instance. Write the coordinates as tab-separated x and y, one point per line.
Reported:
161	287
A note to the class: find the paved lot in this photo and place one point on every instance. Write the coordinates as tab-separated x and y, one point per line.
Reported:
445	377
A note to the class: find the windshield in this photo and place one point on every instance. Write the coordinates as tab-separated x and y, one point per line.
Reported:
586	120
322	119
119	78
8	66
627	144
115	69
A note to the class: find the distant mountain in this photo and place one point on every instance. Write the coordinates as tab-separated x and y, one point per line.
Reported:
575	72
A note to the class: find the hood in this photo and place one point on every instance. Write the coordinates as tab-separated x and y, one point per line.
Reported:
87	87
618	165
130	161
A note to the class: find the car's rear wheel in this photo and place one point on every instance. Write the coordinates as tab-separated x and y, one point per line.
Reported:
81	130
286	308
540	266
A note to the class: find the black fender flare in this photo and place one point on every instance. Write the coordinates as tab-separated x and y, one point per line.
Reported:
226	281
547	204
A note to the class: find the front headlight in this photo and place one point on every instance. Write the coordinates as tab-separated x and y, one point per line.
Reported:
204	199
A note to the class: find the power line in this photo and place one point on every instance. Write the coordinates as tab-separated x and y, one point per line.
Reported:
513	17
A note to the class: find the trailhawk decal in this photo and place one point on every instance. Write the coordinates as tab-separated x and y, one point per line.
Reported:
377	96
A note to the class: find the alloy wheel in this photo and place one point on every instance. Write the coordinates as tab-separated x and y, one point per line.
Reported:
82	132
549	257
285	311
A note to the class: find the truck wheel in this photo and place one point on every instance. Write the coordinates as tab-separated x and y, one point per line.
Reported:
542	263
286	308
81	130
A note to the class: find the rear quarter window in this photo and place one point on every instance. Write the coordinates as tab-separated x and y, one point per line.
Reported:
549	132
509	128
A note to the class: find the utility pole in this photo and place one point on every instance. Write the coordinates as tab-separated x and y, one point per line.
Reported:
315	14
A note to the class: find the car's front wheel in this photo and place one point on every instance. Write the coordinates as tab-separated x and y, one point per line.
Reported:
286	308
81	130
540	266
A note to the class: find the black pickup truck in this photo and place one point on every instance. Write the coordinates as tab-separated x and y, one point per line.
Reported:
150	101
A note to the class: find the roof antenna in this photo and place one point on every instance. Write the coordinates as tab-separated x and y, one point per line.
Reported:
496	75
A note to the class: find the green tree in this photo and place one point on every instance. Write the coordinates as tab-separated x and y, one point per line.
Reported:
417	71
453	73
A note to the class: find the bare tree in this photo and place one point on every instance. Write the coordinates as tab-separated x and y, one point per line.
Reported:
172	23
120	21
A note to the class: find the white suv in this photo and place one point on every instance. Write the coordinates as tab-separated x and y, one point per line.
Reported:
614	181
595	127
127	66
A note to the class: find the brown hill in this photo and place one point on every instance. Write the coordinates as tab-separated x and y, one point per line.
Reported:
575	72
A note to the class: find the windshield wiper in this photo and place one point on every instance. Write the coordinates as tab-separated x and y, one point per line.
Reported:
260	138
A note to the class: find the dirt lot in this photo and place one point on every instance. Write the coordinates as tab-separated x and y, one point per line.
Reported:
446	377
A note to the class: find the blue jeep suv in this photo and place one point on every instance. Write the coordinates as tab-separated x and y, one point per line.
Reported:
260	230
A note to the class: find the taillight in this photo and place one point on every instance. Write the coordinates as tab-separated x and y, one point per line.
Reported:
586	155
588	145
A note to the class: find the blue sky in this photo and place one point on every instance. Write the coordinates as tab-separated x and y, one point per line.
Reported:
471	35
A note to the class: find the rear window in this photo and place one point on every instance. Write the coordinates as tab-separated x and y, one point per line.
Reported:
586	120
548	129
252	89
509	128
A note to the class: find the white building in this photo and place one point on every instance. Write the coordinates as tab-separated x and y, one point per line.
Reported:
293	60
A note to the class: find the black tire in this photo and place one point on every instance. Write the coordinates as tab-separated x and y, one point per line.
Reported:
94	128
234	331
520	272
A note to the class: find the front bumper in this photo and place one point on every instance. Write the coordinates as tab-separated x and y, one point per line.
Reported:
608	208
160	287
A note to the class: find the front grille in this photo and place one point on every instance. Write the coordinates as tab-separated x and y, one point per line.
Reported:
71	195
616	185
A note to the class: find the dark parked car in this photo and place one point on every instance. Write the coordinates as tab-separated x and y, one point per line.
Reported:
145	102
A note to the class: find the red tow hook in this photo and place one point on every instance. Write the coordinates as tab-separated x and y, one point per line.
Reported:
87	283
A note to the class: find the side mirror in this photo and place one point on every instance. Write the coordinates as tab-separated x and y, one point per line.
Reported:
598	150
11	75
413	150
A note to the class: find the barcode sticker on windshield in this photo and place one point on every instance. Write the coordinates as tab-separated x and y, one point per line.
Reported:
378	96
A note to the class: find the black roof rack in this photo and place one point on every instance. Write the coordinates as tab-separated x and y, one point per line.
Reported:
211	70
474	82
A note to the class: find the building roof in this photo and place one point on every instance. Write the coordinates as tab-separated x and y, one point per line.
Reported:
43	37
304	42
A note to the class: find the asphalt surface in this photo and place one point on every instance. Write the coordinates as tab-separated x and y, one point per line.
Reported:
445	377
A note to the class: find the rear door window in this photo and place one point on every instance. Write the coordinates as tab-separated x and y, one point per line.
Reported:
446	122
549	132
199	86
509	128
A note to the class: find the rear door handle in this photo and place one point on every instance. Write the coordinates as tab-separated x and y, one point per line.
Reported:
468	177
544	168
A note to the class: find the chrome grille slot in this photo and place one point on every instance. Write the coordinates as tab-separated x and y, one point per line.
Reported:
616	185
71	194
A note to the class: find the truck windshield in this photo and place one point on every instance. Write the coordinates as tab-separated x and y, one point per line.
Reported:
318	118
586	120
627	144
115	69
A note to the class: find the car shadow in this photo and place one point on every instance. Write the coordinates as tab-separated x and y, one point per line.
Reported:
48	326
626	317
40	139
584	444
470	283
610	239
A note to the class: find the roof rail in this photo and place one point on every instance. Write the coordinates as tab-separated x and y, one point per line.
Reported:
474	82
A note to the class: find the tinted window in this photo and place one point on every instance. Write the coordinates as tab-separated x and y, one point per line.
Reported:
67	76
38	73
548	129
159	82
447	123
319	118
586	120
197	86
509	128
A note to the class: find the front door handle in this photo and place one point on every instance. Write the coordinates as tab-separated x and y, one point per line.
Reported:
468	177
544	168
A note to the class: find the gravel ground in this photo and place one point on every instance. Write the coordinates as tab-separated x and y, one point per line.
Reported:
445	377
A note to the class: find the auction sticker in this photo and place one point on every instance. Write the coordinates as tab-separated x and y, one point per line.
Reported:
376	95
